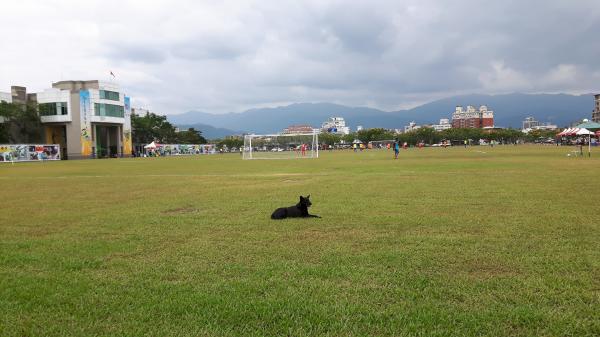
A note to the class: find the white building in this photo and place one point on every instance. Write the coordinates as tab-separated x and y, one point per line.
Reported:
335	125
444	125
5	97
411	126
530	124
89	119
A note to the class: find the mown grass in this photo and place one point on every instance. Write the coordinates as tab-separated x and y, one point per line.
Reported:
442	242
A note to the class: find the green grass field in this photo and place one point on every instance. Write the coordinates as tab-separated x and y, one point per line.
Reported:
500	241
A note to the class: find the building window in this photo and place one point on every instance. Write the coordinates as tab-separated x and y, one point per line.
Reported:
53	109
61	107
110	95
109	110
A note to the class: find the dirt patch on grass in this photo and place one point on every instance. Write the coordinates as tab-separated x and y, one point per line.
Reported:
180	210
488	271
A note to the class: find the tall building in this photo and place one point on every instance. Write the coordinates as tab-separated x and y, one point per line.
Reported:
530	123
444	124
472	117
335	125
596	112
88	119
411	126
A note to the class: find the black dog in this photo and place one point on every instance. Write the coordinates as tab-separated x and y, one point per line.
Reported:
298	211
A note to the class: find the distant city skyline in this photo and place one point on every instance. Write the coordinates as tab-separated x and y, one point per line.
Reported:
229	56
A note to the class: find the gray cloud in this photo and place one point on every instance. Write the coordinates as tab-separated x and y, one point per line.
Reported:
173	56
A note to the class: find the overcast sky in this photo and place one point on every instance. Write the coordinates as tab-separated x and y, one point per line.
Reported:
221	56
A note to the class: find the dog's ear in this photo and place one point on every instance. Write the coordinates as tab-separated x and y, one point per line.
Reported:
308	196
301	198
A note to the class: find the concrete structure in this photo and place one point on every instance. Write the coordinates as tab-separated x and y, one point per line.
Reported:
472	117
444	125
91	118
596	112
530	124
88	119
18	95
411	126
336	125
298	129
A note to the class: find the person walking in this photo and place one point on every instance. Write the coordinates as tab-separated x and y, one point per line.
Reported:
396	149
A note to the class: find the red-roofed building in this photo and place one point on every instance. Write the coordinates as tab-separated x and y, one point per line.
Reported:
298	129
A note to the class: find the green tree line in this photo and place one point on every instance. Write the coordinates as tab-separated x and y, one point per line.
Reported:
152	127
430	136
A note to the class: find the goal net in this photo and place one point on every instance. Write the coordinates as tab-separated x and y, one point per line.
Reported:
282	146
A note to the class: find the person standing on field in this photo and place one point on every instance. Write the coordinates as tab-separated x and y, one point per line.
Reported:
396	149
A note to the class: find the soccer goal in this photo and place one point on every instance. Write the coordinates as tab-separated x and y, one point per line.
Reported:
282	146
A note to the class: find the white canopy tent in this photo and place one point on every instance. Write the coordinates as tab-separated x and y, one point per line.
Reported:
586	132
151	146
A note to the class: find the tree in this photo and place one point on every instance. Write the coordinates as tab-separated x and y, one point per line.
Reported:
231	142
152	127
349	138
427	135
190	136
21	123
367	135
534	135
329	138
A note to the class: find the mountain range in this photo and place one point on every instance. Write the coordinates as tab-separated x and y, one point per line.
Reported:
509	111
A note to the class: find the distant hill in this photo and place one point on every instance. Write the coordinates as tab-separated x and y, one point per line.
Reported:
509	110
269	120
209	131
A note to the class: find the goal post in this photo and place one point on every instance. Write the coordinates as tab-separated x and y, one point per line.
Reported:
281	146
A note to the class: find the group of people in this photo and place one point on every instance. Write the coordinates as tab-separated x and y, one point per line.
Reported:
357	146
301	149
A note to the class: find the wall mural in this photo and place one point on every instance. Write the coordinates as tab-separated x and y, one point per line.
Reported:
86	123
29	152
127	141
